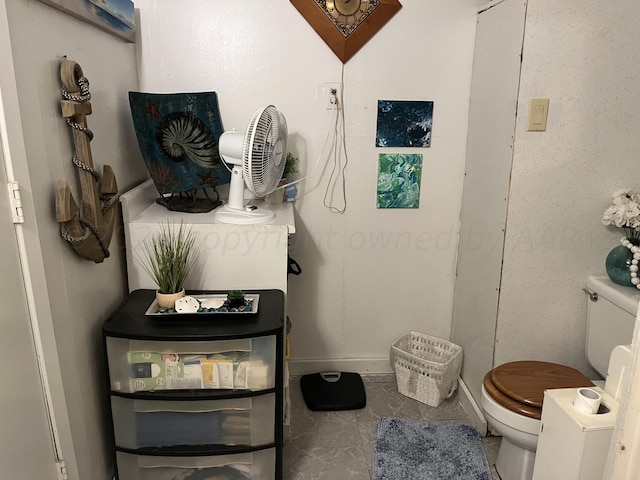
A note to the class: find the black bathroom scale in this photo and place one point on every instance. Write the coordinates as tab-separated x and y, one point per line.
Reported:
328	391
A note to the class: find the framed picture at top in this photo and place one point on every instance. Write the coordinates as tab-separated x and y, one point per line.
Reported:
114	16
346	25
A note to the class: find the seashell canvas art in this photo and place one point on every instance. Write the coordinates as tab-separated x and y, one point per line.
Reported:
178	137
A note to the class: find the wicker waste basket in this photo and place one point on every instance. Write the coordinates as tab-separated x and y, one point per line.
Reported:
426	367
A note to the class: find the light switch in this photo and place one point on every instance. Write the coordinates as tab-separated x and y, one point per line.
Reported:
538	111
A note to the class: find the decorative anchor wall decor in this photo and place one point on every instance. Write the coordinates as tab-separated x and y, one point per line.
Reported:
87	227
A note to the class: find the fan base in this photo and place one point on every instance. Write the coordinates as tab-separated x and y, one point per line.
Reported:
245	216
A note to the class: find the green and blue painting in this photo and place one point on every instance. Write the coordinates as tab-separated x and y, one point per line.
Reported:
399	178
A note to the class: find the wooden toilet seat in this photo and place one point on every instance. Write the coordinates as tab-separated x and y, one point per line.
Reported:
519	386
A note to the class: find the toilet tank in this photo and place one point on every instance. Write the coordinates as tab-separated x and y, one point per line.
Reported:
610	320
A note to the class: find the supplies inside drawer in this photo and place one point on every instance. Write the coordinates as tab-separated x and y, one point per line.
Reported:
259	465
139	365
141	423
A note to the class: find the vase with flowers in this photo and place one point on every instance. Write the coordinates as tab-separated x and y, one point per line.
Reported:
622	262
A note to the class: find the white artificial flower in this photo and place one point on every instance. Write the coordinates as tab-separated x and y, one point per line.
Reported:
624	210
622	192
631	211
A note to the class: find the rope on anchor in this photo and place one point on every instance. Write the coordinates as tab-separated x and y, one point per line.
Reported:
96	233
70	238
85	167
108	200
85	96
89	228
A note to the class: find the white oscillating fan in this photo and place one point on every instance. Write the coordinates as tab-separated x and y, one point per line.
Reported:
258	159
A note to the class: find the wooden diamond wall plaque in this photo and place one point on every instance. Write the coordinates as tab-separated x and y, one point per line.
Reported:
346	25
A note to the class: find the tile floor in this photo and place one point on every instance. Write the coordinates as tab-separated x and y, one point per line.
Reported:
339	445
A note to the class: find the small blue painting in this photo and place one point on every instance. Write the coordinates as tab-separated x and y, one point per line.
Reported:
404	123
399	177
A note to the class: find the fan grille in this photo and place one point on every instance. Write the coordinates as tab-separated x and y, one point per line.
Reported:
264	151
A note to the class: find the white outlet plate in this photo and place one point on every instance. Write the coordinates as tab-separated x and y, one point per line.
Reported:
328	96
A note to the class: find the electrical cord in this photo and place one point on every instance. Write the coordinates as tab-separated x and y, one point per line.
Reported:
333	119
337	127
339	147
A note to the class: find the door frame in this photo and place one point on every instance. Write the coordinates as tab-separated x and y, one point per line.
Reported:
32	263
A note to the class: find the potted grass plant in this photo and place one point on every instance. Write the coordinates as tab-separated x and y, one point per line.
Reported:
290	166
168	257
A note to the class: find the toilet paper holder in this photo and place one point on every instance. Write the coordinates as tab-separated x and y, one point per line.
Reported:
589	401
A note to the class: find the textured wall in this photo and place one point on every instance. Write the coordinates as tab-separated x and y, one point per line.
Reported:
579	54
576	54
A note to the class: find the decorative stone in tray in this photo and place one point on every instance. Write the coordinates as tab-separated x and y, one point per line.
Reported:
206	305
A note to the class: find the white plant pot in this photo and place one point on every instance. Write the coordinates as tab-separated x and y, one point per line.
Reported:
168	300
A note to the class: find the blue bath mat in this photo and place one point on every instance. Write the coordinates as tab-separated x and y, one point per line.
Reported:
416	450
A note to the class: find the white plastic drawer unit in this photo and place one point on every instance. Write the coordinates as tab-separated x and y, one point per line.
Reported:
141	423
196	397
146	365
258	465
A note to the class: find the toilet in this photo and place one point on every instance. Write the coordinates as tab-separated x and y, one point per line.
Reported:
512	393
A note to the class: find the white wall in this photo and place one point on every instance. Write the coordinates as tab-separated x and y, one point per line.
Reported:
354	297
77	295
579	54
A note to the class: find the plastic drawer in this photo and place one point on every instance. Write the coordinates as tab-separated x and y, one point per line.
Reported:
259	465
144	365
156	423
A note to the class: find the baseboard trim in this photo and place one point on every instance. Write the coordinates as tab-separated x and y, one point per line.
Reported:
471	408
359	365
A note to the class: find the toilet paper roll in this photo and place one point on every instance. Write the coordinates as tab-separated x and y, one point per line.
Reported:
587	400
